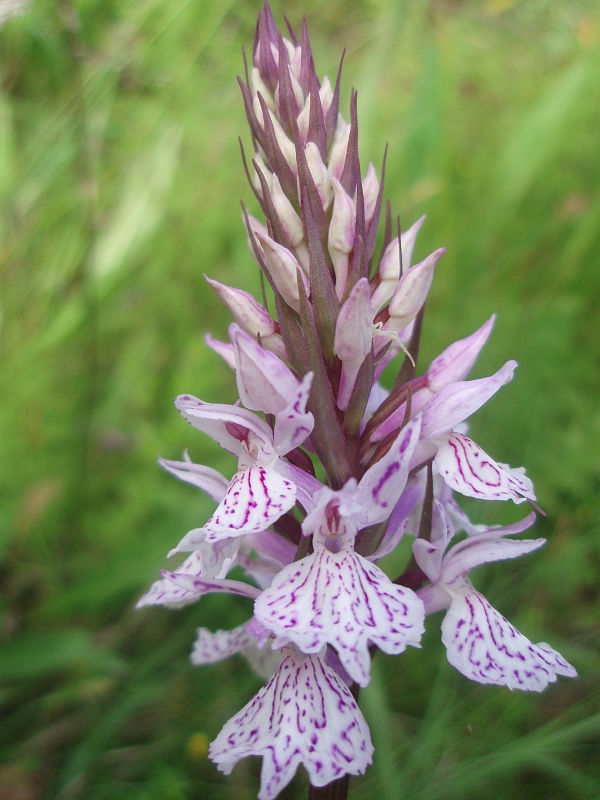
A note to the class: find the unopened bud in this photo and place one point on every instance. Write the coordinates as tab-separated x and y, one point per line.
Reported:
250	316
264	381
295	59
319	173
291	222
389	268
325	97
370	187
257	229
258	85
266	173
337	155
297	90
301	251
353	338
283	269
286	145
412	291
341	234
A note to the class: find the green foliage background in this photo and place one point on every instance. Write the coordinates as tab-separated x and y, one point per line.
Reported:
119	183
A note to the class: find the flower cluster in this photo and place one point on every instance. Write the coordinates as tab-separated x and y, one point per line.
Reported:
388	463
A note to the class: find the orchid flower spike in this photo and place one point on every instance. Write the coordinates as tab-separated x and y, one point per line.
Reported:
333	470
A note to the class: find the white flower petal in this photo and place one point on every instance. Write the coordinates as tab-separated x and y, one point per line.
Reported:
485	647
468	469
293	424
211	647
255	498
230	426
205	478
304	715
383	483
343	600
206	562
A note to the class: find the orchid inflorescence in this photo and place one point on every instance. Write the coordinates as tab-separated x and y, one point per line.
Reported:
389	462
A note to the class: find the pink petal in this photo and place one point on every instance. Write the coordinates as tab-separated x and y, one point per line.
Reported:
212	647
199	586
255	498
383	483
227	425
488	547
223	349
468	469
304	715
353	337
486	648
389	268
248	313
456	361
264	382
457	401
205	478
293	424
411	292
343	600
205	562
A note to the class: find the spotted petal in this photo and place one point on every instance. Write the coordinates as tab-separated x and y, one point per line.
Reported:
294	423
343	600
255	498
304	715
206	562
489	547
211	647
383	483
467	469
485	647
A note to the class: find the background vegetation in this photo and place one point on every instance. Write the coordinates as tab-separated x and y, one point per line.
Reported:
119	182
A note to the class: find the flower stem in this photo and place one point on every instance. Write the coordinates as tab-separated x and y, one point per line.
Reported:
338	790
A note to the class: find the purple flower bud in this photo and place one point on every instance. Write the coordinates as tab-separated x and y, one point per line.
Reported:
341	235
291	222
325	96
389	268
353	338
264	382
258	85
337	154
412	291
250	315
285	144
370	187
319	173
257	229
283	270
266	173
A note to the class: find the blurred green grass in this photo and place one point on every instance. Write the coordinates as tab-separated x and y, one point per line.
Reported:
119	184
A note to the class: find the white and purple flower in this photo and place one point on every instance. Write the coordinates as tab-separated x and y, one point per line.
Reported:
332	469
